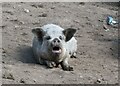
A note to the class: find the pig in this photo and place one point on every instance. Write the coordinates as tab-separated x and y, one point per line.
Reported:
53	45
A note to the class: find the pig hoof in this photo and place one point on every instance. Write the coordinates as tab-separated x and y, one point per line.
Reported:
73	57
69	68
50	64
57	65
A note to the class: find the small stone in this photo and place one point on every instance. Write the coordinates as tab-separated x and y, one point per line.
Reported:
7	17
82	3
98	81
21	2
22	80
24	34
81	76
60	76
34	80
36	6
89	23
104	26
53	7
3	62
30	14
3	26
16	26
26	10
21	22
83	26
9	12
100	20
26	71
43	15
14	20
3	50
19	44
33	5
76	21
40	6
111	49
14	7
7	75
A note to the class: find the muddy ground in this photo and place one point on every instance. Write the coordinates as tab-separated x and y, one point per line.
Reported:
97	53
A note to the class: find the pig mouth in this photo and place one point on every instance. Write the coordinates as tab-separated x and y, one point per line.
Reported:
56	50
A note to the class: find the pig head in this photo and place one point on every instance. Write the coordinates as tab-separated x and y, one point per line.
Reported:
52	43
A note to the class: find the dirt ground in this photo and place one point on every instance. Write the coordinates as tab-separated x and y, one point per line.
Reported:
97	54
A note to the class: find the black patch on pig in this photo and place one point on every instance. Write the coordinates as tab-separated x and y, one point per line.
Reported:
69	33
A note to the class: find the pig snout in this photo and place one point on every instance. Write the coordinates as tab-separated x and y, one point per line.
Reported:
55	42
56	48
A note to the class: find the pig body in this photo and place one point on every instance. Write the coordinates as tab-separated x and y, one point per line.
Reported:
52	43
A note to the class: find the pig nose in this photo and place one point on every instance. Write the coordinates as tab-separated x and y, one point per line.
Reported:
56	40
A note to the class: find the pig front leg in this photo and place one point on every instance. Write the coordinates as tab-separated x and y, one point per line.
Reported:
73	55
65	66
50	64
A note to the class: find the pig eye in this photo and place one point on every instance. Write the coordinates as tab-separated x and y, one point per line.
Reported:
61	38
48	38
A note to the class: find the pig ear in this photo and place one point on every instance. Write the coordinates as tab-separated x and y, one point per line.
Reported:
69	33
38	32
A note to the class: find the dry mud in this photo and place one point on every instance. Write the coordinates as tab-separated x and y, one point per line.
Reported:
97	54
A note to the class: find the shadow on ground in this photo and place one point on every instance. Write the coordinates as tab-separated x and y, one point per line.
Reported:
26	54
113	48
